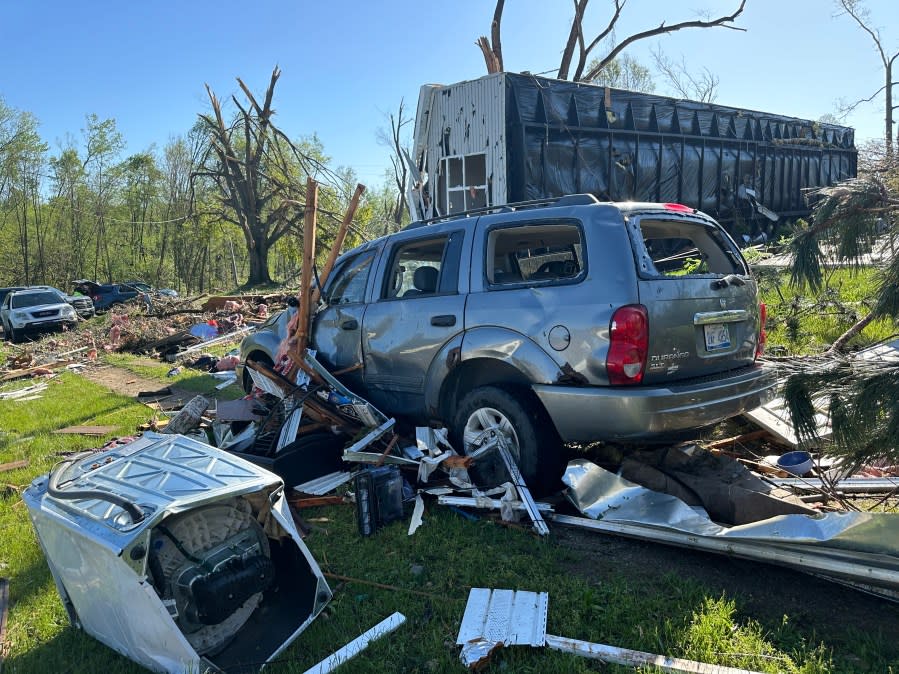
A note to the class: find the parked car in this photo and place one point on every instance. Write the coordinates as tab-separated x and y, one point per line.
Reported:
84	305
564	320
5	291
35	310
106	295
147	288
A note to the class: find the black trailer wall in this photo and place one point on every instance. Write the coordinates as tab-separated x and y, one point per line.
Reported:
566	137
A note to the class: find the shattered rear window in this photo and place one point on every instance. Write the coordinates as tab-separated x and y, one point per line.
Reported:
683	248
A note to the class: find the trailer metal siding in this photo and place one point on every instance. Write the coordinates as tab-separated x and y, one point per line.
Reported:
546	138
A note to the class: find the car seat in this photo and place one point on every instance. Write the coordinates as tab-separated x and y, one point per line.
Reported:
424	282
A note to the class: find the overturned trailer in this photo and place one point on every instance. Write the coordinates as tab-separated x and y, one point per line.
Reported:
510	137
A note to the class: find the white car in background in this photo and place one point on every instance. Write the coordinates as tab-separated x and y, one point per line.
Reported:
35	310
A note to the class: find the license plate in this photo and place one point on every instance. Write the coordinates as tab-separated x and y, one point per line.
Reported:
717	337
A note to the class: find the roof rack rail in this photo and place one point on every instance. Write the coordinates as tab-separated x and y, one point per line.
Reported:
567	200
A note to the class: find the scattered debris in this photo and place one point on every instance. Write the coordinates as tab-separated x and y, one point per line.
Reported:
496	619
86	430
13	465
851	547
358	644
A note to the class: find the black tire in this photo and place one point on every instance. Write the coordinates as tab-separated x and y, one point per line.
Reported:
14	337
534	442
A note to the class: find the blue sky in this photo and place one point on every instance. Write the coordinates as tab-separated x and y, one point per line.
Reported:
346	64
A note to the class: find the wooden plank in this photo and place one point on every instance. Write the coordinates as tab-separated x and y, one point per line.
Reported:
86	430
302	333
13	465
316	501
338	241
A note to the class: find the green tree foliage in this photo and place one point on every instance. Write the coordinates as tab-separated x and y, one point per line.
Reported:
97	209
862	396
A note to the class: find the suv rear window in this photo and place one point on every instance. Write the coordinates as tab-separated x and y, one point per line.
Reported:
681	248
534	253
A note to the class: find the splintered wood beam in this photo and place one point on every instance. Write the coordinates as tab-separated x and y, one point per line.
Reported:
302	333
338	241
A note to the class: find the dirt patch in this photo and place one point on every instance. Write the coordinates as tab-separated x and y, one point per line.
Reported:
126	383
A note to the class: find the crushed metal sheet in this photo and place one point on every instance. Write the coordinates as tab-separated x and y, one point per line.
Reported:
509	617
417	512
324	484
358	644
854	547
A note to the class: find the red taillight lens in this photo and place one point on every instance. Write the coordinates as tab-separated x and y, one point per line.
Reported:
763	335
628	345
96	298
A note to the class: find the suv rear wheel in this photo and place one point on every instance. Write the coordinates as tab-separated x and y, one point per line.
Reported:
530	438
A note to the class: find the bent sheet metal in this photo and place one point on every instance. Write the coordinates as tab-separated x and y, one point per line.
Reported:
859	549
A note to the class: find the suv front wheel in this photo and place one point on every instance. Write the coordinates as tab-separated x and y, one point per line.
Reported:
530	438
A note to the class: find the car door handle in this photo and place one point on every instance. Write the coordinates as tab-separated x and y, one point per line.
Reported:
351	324
444	321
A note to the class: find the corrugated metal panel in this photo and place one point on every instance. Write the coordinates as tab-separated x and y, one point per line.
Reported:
463	119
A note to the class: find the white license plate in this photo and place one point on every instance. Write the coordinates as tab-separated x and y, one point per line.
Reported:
717	337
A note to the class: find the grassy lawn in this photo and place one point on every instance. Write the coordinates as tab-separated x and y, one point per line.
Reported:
801	322
429	575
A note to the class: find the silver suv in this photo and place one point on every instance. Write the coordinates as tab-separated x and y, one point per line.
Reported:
567	320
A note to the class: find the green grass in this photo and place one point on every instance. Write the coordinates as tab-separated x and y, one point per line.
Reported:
801	322
593	596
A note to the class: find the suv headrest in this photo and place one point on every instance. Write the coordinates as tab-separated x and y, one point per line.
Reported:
425	279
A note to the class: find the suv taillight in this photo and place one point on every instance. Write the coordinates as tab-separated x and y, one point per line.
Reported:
763	335
628	345
95	298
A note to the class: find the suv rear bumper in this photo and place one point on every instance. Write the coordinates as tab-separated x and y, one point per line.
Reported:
621	413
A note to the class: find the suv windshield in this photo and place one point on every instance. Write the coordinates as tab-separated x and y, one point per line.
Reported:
21	300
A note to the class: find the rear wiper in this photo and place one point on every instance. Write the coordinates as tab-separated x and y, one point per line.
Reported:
729	280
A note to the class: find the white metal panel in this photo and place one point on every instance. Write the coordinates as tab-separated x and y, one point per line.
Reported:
462	119
510	617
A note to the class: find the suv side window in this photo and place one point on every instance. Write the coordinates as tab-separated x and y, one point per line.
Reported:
545	252
350	280
424	267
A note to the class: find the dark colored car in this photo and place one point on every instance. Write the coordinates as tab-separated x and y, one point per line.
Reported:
106	295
